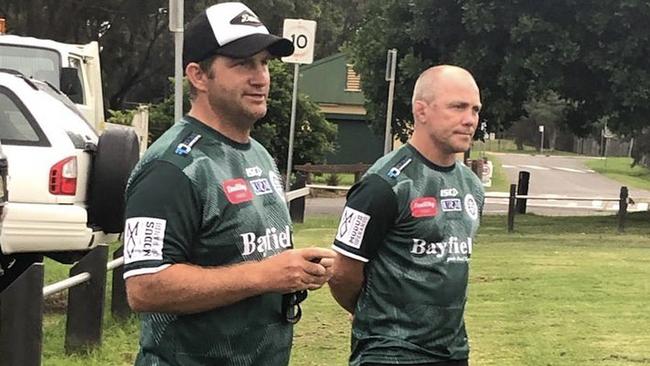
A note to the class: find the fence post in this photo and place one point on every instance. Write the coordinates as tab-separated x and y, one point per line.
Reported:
522	190
86	302
622	209
21	319
297	205
511	208
119	305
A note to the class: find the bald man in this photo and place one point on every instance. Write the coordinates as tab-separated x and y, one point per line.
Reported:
405	237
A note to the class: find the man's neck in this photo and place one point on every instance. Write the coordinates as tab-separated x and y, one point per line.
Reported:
232	130
431	152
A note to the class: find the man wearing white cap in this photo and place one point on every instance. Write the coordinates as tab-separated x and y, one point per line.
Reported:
208	242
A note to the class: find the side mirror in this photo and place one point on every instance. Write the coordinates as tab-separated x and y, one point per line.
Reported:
71	84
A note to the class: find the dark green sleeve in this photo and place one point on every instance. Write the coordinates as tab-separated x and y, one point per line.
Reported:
369	213
163	216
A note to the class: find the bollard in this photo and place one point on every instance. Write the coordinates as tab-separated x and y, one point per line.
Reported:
86	302
522	190
511	208
622	209
119	305
21	319
297	205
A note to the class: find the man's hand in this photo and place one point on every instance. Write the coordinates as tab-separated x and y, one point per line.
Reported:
298	269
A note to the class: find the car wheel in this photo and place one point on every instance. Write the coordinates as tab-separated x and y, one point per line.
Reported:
117	154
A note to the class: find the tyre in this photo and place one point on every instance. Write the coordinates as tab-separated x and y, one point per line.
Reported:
117	153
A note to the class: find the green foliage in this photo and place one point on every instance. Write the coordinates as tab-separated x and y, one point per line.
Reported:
121	117
591	53
314	135
548	110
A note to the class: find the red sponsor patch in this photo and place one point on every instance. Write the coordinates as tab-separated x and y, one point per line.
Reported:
424	207
237	190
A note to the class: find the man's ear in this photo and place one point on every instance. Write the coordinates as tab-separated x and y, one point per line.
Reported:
196	76
419	111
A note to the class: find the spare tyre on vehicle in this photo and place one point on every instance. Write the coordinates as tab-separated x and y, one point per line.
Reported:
117	153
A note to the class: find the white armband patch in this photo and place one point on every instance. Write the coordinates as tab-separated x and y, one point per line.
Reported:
352	227
143	239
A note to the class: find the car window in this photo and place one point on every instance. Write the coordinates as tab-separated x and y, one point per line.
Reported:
39	63
17	126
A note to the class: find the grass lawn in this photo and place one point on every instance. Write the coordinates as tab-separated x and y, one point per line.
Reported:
618	168
558	291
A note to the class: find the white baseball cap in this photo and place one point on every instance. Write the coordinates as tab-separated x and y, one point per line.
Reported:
230	29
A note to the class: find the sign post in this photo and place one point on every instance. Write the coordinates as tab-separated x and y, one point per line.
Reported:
391	61
302	33
541	139
176	27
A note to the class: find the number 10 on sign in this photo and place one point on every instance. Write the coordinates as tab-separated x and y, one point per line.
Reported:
302	33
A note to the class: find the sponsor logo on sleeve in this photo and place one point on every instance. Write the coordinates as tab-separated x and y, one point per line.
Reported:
352	227
471	207
253	172
143	239
424	207
451	204
237	190
261	186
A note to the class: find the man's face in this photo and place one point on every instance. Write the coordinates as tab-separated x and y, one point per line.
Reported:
452	116
238	88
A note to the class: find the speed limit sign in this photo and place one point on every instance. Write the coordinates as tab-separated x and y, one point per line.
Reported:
302	33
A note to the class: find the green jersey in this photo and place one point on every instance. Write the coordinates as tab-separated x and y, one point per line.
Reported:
413	224
200	198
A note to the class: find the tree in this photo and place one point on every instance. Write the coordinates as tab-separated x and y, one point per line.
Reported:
548	110
314	135
592	53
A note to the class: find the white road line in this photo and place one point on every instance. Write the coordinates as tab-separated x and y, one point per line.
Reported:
508	166
535	167
569	170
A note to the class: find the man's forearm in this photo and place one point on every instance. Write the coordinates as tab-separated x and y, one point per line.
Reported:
187	288
184	288
345	293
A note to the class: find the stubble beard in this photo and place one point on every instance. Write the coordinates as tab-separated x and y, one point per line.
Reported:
235	113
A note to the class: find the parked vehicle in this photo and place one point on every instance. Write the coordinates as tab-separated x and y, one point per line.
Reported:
74	69
66	182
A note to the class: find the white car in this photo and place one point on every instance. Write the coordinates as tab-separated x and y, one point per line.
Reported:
65	183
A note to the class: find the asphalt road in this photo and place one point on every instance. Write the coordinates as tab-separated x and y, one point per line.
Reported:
566	176
555	177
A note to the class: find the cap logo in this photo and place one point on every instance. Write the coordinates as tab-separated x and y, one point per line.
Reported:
246	18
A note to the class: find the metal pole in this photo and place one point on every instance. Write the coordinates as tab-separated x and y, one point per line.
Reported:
176	26
541	143
296	68
390	76
178	75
